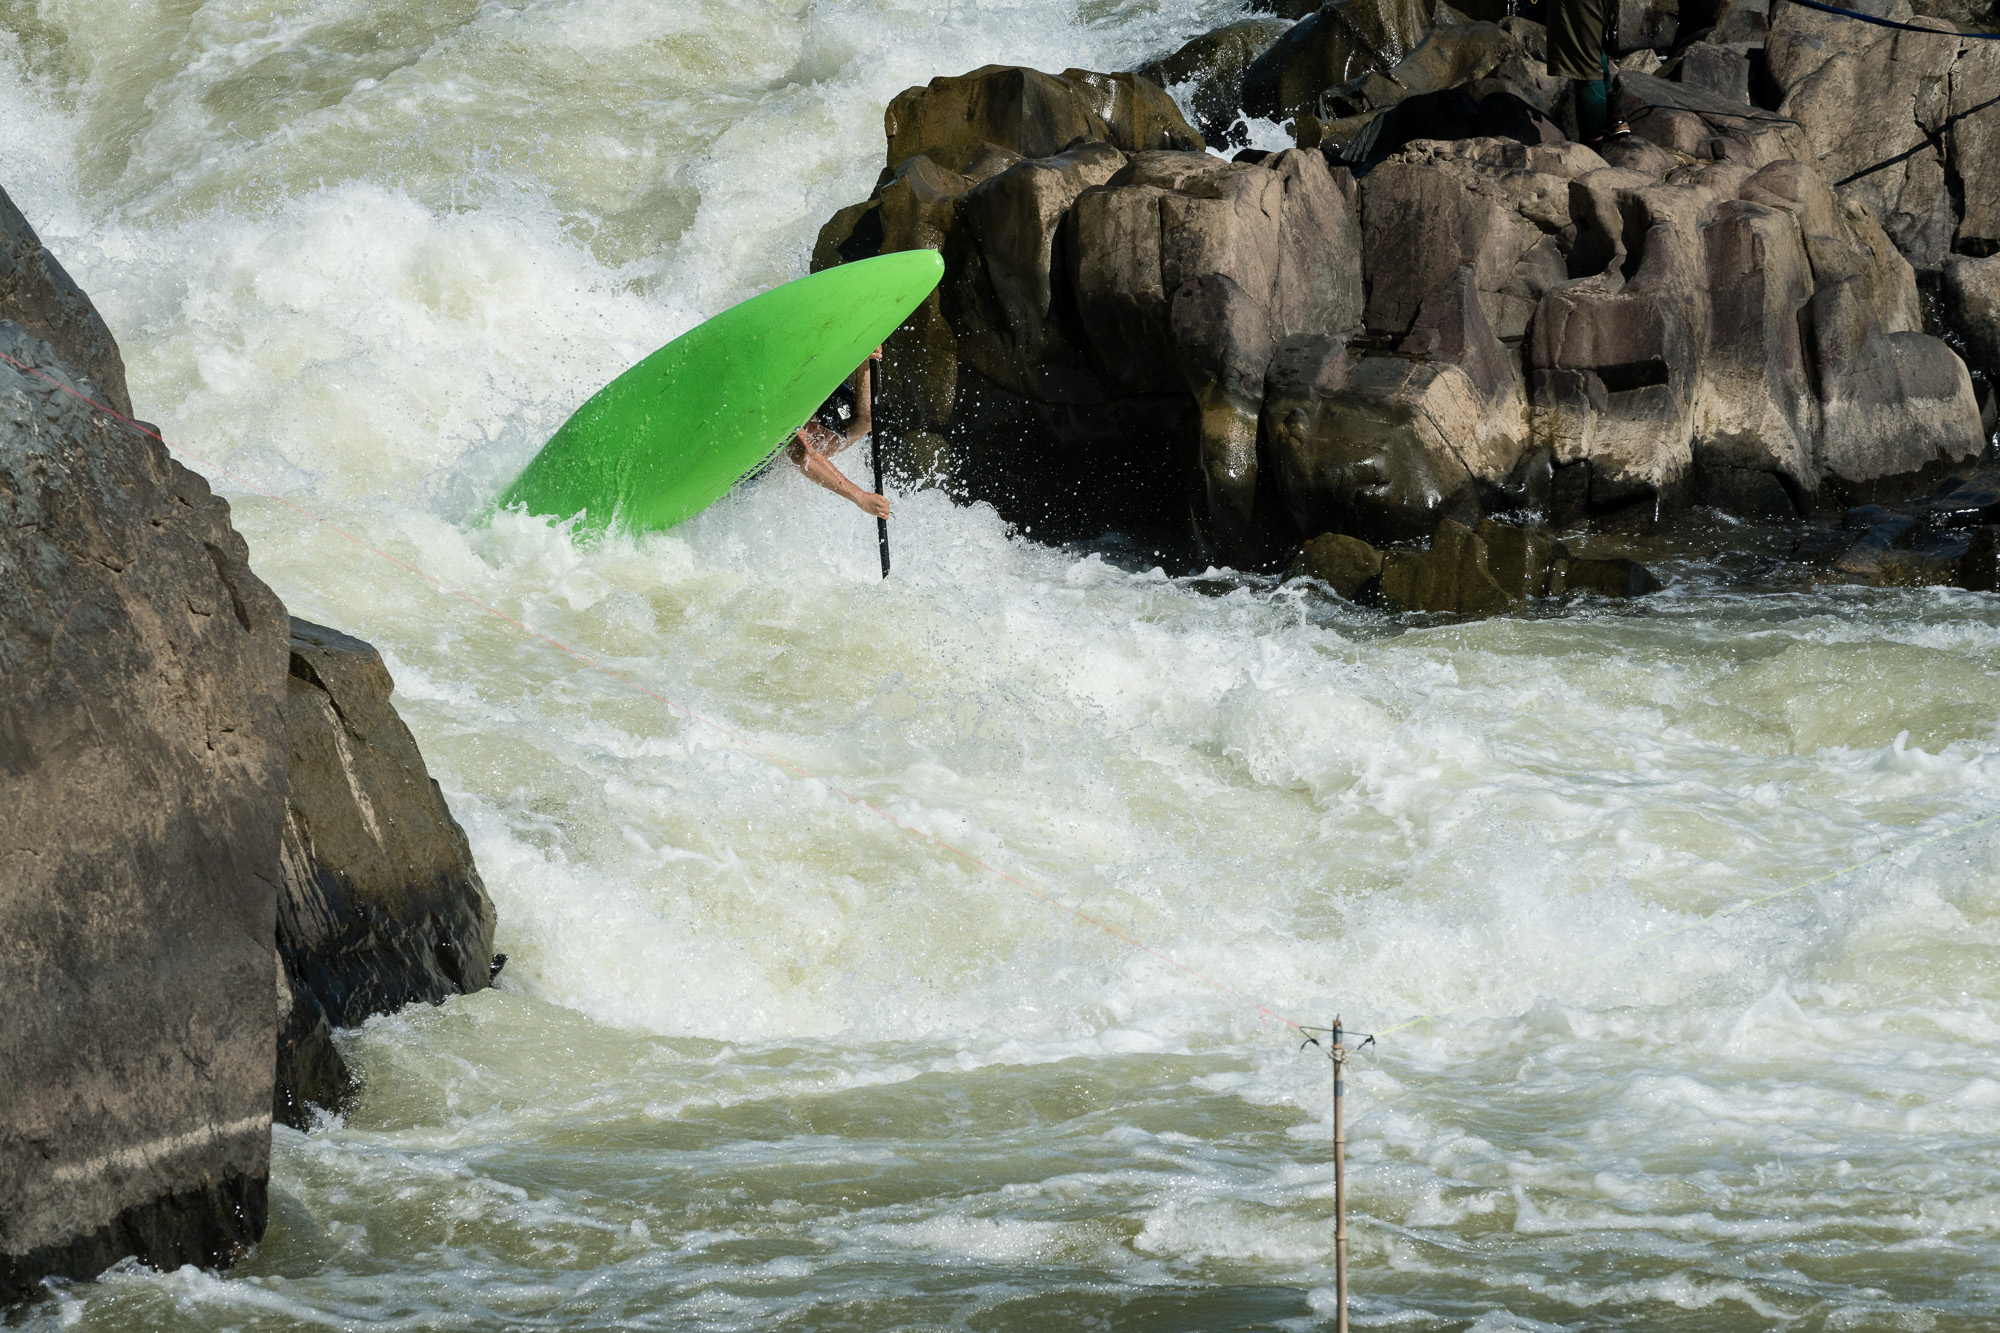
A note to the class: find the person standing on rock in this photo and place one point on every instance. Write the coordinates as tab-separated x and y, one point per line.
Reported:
813	447
1578	52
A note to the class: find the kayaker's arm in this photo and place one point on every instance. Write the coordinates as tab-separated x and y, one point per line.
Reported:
807	451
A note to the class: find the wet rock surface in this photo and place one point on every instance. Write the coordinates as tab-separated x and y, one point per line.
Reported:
1481	570
381	905
142	789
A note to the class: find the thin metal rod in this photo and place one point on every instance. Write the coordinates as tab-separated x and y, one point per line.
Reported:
1339	1054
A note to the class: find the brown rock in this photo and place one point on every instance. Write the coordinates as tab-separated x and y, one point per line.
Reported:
381	904
954	120
1605	577
1498	206
143	794
1002	300
1518	557
1453	576
1345	564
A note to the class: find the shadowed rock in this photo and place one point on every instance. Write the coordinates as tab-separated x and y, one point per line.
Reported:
1346	564
381	904
1331	47
1211	67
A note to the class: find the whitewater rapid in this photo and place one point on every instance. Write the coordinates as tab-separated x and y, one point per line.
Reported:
764	1058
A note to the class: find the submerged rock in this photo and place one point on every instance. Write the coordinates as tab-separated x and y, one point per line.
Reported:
1465	570
140	812
1348	565
380	905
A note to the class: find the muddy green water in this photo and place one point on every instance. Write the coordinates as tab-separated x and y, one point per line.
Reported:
761	1059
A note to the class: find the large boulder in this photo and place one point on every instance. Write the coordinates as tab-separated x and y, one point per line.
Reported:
1903	122
140	817
381	905
1894	405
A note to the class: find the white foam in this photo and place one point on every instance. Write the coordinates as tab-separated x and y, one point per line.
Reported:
756	1045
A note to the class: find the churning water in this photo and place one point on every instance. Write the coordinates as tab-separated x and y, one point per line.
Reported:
762	1059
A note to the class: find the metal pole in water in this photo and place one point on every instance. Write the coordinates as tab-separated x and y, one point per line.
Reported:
1339	1054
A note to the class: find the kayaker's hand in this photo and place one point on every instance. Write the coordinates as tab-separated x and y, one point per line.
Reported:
875	355
878	505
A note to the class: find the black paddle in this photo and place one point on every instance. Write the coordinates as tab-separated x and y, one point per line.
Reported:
875	455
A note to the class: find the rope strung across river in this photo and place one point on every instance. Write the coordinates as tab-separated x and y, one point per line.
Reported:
1892	23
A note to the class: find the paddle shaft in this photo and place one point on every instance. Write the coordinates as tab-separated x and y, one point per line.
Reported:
875	456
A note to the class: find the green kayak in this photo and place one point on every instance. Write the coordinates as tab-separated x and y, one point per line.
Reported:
670	436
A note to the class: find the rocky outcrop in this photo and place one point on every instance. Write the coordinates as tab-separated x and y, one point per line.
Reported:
140	812
1446	311
381	905
1097	352
205	862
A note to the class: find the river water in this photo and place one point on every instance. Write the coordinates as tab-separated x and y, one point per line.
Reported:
764	1059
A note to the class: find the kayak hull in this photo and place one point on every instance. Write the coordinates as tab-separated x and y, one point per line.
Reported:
673	434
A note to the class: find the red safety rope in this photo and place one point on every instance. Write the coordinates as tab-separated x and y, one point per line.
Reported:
1263	1010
